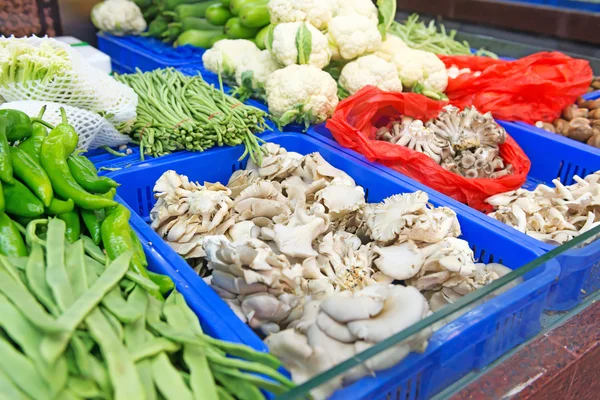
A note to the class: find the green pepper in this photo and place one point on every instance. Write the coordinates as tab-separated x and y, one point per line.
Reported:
151	12
171	4
86	174
117	238
11	241
33	144
19	200
197	38
165	284
201	24
56	149
73	225
2	204
6	169
93	221
32	174
18	124
157	27
58	206
235	30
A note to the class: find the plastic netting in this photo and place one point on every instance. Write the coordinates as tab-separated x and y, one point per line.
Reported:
93	130
82	86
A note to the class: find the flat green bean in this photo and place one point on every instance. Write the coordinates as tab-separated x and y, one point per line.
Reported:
35	271
100	374
27	304
18	262
10	391
253	379
74	315
121	308
93	250
22	372
224	394
85	388
168	381
121	368
154	347
241	390
75	267
114	322
56	272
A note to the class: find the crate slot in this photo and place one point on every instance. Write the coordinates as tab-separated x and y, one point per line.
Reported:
149	198
140	202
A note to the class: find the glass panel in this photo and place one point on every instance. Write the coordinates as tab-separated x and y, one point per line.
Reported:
501	336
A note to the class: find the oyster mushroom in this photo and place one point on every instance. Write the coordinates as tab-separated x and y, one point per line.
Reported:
340	197
413	134
295	237
261	199
278	164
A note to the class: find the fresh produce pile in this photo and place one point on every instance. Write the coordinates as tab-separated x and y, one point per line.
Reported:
580	121
595	85
202	23
464	142
84	321
552	215
178	112
294	248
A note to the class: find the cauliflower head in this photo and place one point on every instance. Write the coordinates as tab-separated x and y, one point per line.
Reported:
118	17
301	93
370	70
226	56
317	12
353	36
390	46
364	8
421	67
251	76
285	46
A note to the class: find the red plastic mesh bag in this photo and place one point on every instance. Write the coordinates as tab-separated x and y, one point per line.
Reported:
530	89
355	123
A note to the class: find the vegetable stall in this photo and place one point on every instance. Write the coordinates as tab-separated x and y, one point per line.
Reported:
292	199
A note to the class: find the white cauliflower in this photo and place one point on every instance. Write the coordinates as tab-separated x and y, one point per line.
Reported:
370	70
390	46
286	50
119	17
364	8
421	71
317	12
251	76
353	36
226	56
301	93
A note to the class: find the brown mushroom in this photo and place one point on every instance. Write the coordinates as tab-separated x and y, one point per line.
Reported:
595	123
580	129
573	111
561	126
594	114
596	83
593	104
581	102
594	141
545	126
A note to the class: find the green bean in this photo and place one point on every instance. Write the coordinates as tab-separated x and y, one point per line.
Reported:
250	378
27	304
81	357
168	381
30	232
75	267
93	250
10	391
117	305
56	273
241	390
18	262
74	315
85	388
22	371
100	374
35	271
154	347
244	352
121	369
114	322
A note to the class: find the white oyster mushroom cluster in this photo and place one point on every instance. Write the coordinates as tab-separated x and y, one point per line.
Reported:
347	323
298	254
552	215
463	142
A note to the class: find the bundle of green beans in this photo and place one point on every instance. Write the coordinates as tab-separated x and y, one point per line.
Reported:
179	112
78	326
419	36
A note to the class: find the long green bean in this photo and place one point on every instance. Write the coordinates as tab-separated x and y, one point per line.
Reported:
168	380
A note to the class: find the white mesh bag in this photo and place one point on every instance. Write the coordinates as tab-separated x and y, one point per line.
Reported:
93	130
67	79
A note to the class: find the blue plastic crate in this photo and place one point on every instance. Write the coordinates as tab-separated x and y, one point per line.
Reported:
470	342
552	156
218	322
581	5
130	52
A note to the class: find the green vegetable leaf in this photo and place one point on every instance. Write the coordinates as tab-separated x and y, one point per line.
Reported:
303	44
269	38
386	13
247	79
342	93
